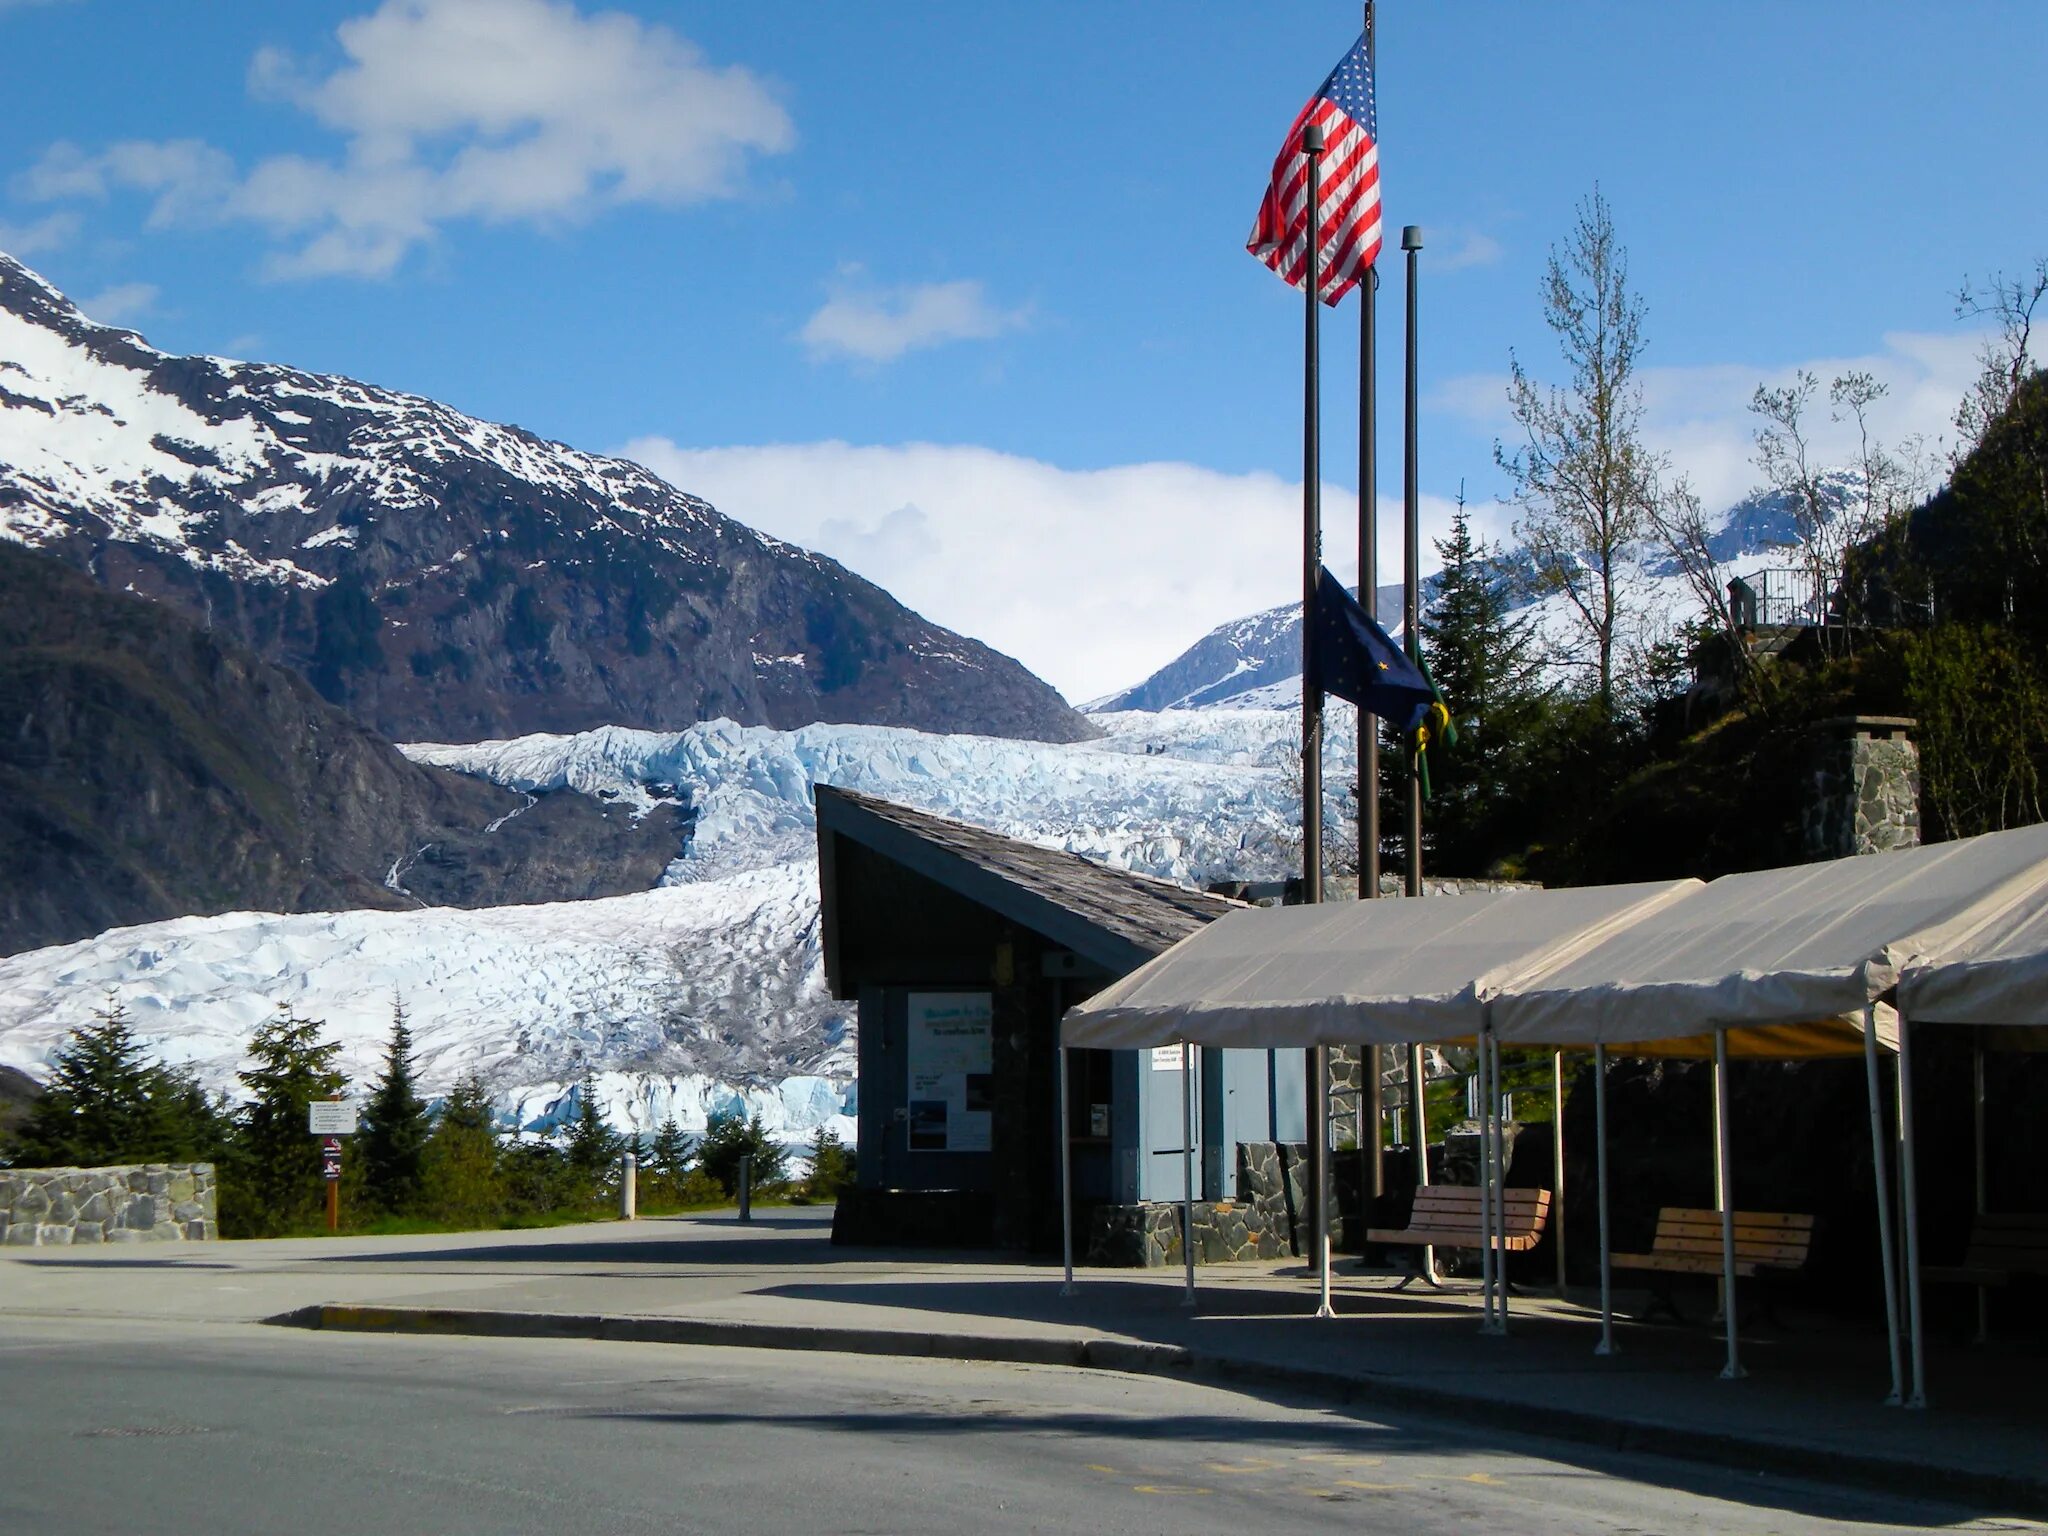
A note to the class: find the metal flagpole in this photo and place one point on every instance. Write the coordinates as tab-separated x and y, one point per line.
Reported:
1373	1185
1878	1154
1311	695
1411	576
1417	1088
1909	1190
1606	1346
1486	1253
1724	1182
1066	1177
1187	1167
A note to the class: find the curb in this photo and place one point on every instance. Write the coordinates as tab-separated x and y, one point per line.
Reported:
1999	1493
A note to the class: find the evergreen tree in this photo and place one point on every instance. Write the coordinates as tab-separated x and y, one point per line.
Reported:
592	1149
106	1105
392	1139
460	1180
831	1167
668	1159
1484	660
727	1140
278	1184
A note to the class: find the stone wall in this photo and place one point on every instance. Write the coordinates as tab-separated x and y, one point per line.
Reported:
154	1202
1863	793
1264	1222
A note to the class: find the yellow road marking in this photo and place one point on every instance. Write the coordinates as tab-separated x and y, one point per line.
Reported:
1255	1464
1169	1490
1345	1482
1096	1466
1345	1458
1481	1477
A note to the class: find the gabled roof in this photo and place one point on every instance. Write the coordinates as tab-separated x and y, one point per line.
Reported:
1111	917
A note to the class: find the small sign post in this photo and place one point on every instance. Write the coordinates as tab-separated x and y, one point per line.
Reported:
331	1119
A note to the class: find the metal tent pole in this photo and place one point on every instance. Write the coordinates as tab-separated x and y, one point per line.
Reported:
1066	1178
1487	1256
1557	1162
1733	1370
1320	1149
1500	1189
1417	1090
1983	1169
1878	1154
1187	1167
1909	1189
1606	1346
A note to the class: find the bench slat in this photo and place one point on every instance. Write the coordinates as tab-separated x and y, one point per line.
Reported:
1682	1263
1745	1218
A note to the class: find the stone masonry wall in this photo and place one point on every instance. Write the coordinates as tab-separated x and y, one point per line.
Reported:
153	1202
1863	795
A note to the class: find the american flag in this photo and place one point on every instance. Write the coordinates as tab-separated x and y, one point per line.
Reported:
1348	222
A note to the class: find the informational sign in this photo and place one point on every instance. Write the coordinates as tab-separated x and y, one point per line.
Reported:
1165	1058
327	1118
951	1079
330	1158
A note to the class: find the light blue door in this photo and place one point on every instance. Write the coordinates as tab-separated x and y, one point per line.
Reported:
1159	1096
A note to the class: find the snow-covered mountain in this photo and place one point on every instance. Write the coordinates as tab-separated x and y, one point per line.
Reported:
707	993
1255	662
441	576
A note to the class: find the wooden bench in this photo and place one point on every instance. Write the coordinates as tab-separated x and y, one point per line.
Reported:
1689	1243
2001	1245
1448	1216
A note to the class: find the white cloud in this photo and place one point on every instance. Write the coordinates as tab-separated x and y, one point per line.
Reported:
494	110
1091	578
879	325
120	303
1700	416
44	234
1460	248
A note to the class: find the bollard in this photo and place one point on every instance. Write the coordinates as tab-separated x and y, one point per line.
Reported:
747	1188
629	1187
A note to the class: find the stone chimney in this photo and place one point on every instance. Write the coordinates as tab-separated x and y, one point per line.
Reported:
1863	788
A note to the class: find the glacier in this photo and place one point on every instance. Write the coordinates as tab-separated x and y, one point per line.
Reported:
705	995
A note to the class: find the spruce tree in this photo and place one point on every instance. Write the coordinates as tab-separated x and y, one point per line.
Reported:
392	1139
106	1105
668	1160
1484	661
460	1179
279	1188
593	1149
729	1138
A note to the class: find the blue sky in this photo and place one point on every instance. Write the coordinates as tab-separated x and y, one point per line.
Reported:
957	293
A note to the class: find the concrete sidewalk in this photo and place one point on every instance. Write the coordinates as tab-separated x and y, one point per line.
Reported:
1811	1406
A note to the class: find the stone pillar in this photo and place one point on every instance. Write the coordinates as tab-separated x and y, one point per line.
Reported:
1863	789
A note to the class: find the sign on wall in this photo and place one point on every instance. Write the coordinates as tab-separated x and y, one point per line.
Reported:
951	1058
1166	1058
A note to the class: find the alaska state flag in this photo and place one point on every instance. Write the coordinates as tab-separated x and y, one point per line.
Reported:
1353	658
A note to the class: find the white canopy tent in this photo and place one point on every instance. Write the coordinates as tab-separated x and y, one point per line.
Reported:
1349	973
1783	962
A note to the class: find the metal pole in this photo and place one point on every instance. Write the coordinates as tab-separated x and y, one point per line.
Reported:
1319	1150
1884	1205
1417	1088
1720	1135
629	1186
1066	1178
1983	1170
1500	1187
1606	1346
1557	1162
1411	577
1724	1180
1487	1258
1187	1167
1317	1060
747	1188
1909	1189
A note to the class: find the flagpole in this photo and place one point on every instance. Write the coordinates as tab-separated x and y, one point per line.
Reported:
1411	586
1368	597
1311	692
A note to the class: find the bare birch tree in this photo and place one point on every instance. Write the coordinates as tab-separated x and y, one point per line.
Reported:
1581	475
2006	357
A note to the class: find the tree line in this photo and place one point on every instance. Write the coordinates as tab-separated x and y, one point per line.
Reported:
1628	742
410	1162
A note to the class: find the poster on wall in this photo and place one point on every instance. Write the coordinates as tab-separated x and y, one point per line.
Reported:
951	1057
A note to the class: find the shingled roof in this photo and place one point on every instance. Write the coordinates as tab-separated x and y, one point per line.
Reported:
1112	917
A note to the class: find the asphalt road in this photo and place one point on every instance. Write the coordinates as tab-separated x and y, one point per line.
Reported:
183	1429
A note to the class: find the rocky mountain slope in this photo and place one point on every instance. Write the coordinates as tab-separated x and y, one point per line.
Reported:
149	769
442	577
